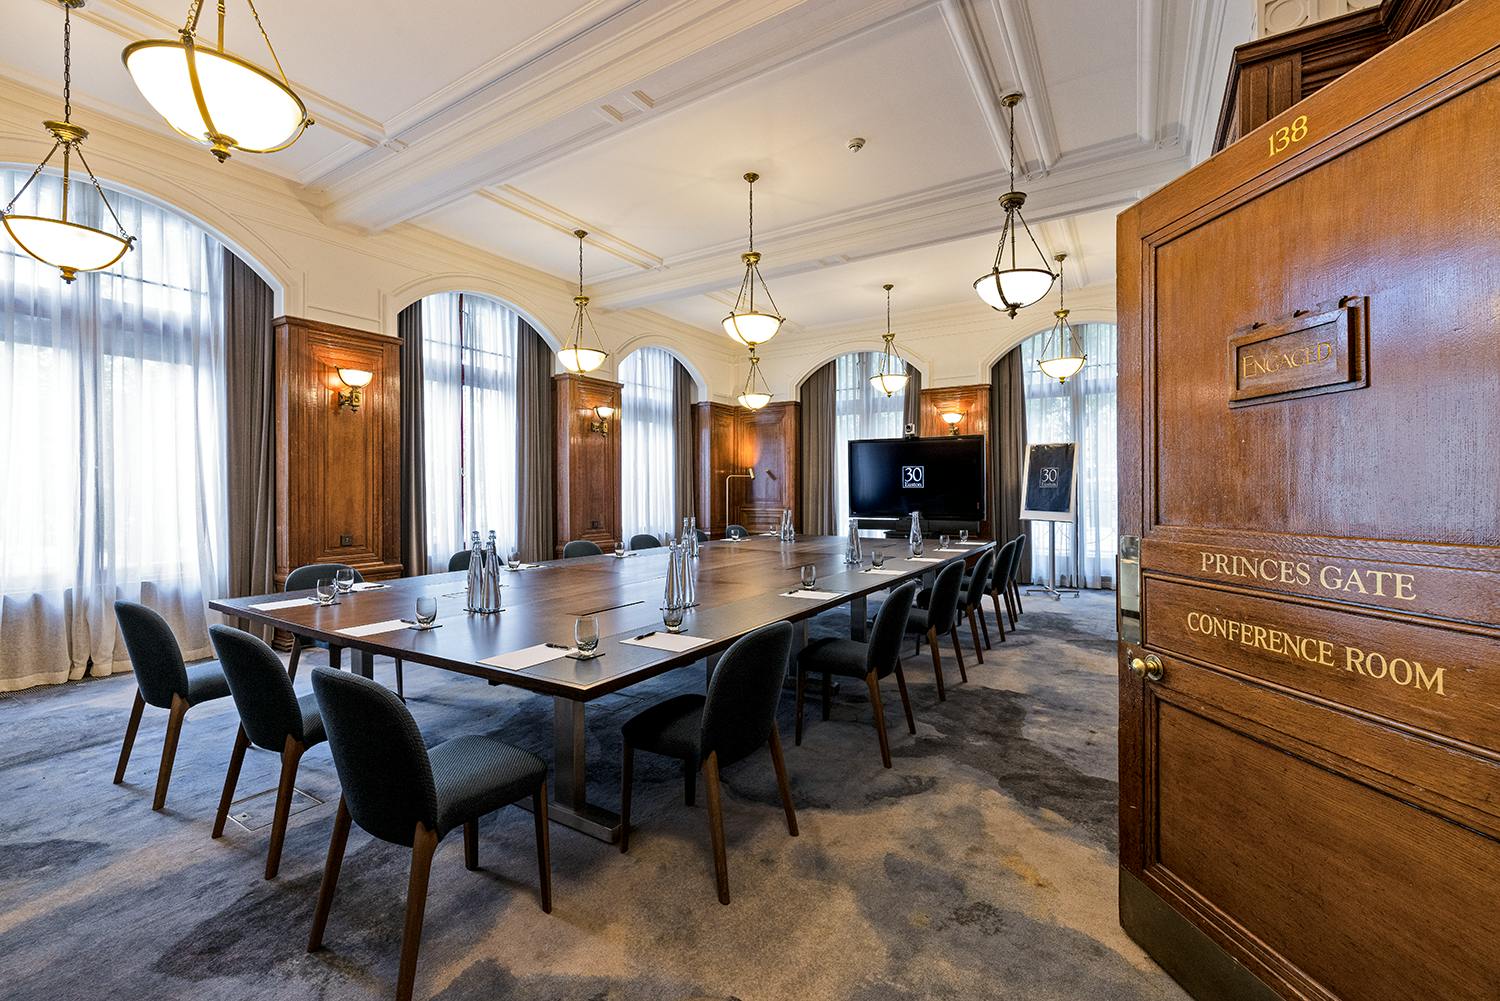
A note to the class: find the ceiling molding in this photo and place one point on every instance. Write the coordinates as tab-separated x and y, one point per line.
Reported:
513	198
1148	28
1022	54
979	72
1212	35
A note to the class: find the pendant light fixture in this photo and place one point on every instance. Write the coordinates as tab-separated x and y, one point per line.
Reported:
756	393
745	323
1070	357
890	374
575	357
1012	288
213	97
70	247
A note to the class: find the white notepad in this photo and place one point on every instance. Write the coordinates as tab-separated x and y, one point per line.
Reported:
520	660
814	595
951	550
883	573
271	606
921	559
670	642
373	628
367	585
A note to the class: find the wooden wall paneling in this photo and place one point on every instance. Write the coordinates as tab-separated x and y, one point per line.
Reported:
338	488
714	443
767	439
588	462
974	403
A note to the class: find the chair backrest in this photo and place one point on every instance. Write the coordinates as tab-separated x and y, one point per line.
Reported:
942	605
460	560
306	578
742	695
379	755
702	535
981	578
1004	556
644	541
154	654
262	691
580	547
890	627
1015	566
731	529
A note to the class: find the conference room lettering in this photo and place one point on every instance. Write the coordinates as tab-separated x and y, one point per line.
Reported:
1331	577
1319	652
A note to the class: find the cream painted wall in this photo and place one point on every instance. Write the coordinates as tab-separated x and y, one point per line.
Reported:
334	274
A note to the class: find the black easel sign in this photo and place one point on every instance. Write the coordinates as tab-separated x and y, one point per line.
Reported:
1049	482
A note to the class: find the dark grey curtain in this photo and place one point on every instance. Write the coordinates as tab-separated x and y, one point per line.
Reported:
250	373
413	445
1008	451
819	439
536	446
682	436
913	400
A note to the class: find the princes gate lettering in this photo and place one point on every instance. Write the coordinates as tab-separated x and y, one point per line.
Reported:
1333	578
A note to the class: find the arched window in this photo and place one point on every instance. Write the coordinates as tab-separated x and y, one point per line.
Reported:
860	411
648	443
112	438
1081	410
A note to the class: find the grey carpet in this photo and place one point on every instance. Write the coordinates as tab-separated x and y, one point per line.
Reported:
981	866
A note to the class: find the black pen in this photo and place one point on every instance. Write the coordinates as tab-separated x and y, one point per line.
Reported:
646	635
557	646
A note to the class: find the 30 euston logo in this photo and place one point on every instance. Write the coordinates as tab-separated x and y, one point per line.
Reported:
913	477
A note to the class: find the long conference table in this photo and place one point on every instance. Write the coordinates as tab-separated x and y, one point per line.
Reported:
741	586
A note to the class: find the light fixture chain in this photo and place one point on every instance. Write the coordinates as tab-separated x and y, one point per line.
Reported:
22	190
580	265
67	63
1012	147
195	10
111	209
1032	238
752	217
269	47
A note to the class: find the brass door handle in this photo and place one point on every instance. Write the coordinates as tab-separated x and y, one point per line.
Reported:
1149	667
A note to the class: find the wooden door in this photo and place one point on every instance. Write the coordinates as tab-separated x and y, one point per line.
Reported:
1310	626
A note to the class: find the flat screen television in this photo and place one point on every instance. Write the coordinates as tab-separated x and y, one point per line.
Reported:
943	478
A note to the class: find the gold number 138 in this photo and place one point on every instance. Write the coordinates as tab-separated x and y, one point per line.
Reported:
1286	136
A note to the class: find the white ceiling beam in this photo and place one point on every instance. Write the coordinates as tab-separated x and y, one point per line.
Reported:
939	215
511	197
1215	27
1018	39
977	70
1147	68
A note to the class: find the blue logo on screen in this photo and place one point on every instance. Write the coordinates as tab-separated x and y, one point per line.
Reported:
913	477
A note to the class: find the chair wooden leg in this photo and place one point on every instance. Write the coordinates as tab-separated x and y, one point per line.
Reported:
291	756
1011	608
423	844
295	658
801	689
984	625
400	681
716	826
911	724
231	780
471	844
1015	590
543	846
689	784
937	663
873	684
169	750
999	615
130	730
782	783
958	652
974	630
336	843
627	780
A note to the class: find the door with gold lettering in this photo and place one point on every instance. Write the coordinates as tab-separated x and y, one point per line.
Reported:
1310	619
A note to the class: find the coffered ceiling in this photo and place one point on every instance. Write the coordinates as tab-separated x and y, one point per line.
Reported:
509	123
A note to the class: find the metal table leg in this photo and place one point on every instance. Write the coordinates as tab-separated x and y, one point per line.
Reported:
859	613
365	665
570	805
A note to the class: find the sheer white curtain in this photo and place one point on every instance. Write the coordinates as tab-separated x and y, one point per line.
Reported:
469	412
648	443
112	440
860	411
1081	410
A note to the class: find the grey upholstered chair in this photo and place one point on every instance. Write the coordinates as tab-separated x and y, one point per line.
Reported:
731	529
162	680
1001	580
305	578
581	547
459	561
872	661
399	791
642	540
711	732
1015	575
936	614
971	601
272	717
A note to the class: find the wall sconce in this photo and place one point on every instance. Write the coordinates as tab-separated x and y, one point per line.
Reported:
952	418
356	379
602	414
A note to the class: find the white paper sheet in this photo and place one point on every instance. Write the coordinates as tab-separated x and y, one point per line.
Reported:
921	559
369	585
952	550
374	628
519	660
814	595
670	642
271	606
883	573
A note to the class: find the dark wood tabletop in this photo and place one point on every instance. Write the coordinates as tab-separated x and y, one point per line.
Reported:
740	587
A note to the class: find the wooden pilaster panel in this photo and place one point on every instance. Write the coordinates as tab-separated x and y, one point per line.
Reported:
588	461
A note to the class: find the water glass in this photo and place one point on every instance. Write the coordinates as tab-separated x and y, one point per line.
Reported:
809	577
736	533
943	541
325	590
513	561
963	535
877	559
671	617
619	550
586	634
426	612
343	579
